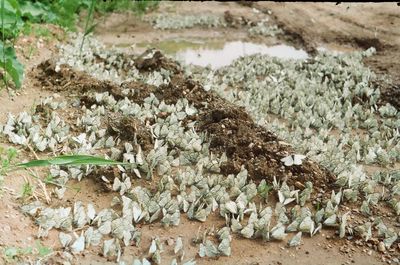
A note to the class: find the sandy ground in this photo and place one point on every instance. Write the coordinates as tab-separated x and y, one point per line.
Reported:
355	26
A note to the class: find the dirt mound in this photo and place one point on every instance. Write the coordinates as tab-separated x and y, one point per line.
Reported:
67	79
130	129
153	60
236	22
230	128
233	131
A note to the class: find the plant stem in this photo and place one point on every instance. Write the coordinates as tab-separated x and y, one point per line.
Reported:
2	37
87	25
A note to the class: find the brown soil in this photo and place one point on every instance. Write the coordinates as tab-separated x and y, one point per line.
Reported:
69	80
130	129
149	62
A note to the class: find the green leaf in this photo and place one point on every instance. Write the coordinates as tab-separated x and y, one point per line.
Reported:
13	67
11	18
33	11
71	160
43	250
11	252
90	29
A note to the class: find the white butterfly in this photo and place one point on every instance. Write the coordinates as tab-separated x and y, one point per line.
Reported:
293	160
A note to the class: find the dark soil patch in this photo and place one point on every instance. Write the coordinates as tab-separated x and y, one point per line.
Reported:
109	173
233	131
153	60
367	43
236	22
390	93
386	63
72	81
130	129
67	79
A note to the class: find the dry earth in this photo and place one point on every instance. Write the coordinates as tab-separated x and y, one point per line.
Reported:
346	26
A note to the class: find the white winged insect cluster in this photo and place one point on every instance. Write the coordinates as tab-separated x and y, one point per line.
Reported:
315	97
176	21
328	110
264	29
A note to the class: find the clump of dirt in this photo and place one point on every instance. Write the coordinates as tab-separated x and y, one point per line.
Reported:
391	94
138	90
233	131
67	79
154	60
130	129
109	173
236	22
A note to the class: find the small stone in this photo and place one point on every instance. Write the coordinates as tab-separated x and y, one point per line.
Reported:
381	247
170	241
299	185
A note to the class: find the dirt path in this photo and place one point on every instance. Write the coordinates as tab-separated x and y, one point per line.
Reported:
359	26
346	25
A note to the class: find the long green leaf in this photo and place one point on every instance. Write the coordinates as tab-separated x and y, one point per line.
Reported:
71	160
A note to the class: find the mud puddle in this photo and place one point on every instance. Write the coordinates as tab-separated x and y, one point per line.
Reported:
217	54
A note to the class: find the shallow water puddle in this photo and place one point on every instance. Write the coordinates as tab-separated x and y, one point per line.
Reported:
219	54
234	50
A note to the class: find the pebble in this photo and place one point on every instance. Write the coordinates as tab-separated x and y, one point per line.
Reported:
170	241
381	247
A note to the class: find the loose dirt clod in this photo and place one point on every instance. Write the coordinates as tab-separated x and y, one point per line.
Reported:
392	95
130	129
67	79
152	60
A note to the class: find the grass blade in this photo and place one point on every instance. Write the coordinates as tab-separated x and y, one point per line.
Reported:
71	160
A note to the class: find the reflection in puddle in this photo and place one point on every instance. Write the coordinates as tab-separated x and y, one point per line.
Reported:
234	50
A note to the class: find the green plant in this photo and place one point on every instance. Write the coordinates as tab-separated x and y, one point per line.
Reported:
11	253
27	190
88	29
11	66
70	160
139	7
43	250
6	157
11	24
263	189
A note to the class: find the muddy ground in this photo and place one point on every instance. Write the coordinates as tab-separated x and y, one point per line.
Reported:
344	27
